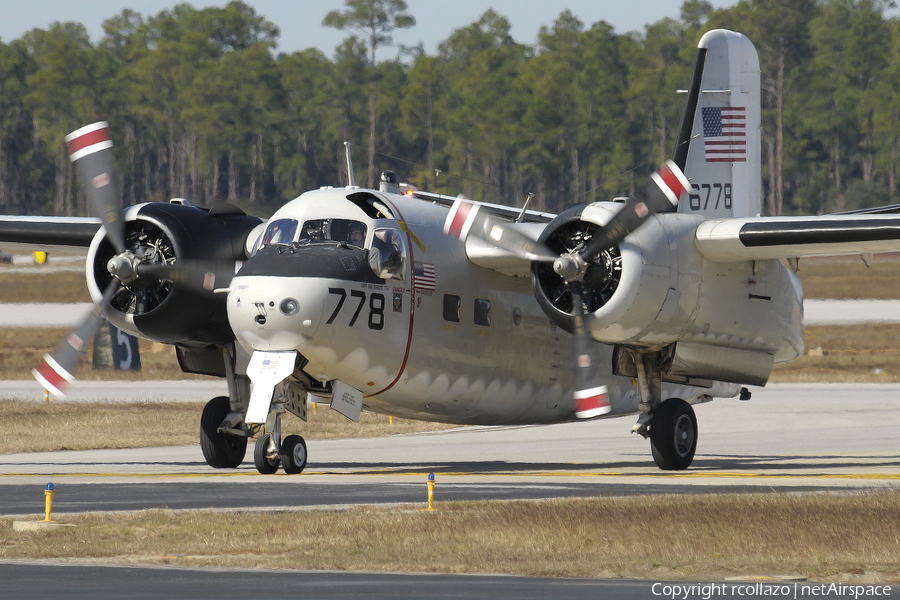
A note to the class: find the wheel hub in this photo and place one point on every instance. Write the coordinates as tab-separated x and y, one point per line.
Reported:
684	435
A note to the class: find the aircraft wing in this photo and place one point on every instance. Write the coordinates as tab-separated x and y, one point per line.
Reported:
762	238
490	256
501	241
498	210
49	231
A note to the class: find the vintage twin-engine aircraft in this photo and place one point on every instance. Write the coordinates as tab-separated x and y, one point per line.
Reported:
427	307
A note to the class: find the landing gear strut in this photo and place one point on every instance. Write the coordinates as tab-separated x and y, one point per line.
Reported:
271	451
223	433
671	425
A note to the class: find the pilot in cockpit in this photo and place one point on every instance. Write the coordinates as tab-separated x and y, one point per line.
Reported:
357	234
312	231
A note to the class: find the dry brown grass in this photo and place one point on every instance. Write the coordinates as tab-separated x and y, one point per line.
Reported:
847	277
43	286
859	353
37	427
22	349
696	537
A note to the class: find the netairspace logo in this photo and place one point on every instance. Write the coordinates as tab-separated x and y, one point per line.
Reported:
707	591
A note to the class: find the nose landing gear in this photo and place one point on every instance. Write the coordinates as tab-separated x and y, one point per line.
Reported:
272	452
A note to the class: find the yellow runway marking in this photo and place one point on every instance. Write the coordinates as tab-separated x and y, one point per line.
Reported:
424	472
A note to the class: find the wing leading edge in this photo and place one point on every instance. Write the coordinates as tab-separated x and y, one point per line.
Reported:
49	231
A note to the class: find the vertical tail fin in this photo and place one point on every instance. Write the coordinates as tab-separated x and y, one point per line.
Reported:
718	144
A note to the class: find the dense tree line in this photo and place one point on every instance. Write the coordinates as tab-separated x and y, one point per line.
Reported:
201	106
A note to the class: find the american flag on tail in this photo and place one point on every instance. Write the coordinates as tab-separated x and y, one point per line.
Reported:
725	133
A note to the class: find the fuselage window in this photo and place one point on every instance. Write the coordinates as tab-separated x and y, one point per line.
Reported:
452	306
482	312
280	232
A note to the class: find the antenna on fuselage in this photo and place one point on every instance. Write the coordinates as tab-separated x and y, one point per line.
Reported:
524	208
350	182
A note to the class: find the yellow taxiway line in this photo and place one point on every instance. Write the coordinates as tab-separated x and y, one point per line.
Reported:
425	471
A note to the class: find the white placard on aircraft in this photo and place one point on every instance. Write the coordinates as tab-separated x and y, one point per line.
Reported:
347	400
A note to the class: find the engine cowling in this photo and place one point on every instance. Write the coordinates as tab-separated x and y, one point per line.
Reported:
717	321
164	310
643	292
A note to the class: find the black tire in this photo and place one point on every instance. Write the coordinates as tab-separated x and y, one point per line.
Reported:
221	450
673	435
263	464
293	454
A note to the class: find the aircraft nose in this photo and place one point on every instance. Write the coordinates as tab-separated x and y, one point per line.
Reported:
273	313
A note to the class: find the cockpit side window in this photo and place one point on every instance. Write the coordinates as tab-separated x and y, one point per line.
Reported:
279	233
388	255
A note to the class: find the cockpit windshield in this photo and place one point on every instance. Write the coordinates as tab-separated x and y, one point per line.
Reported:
279	233
333	230
283	232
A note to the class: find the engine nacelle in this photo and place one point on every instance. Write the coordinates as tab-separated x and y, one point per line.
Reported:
164	310
636	293
656	290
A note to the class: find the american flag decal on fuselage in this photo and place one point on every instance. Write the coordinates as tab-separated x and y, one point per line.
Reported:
725	133
424	273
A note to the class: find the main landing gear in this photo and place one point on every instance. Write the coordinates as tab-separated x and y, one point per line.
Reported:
673	435
221	449
671	425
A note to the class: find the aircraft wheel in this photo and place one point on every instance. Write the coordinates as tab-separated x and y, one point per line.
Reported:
221	450
673	435
293	454
264	464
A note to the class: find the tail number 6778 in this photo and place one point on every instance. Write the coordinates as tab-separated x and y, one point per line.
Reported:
704	193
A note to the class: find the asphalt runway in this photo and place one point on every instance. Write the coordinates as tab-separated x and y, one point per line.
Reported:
34	579
788	437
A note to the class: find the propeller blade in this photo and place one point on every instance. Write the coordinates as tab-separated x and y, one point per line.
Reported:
54	371
90	150
506	236
591	396
466	218
660	194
